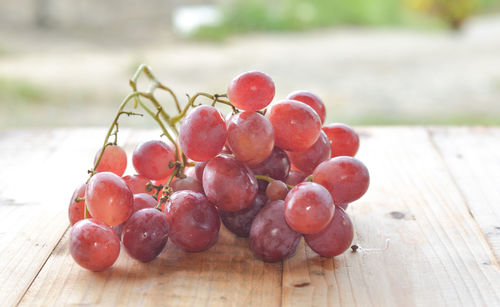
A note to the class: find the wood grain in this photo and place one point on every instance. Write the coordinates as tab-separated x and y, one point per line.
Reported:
473	158
436	254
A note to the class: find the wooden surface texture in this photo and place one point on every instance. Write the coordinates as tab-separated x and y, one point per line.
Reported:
428	231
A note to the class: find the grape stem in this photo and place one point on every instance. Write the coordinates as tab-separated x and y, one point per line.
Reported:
79	199
269	179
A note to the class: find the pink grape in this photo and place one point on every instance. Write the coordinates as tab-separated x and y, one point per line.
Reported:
343	139
108	198
199	167
311	100
188	183
308	208
143	201
251	91
296	125
271	239
276	190
276	166
308	159
145	234
76	209
335	239
239	222
93	245
114	159
250	137
137	184
202	133
229	184
194	221
346	178
151	159
295	177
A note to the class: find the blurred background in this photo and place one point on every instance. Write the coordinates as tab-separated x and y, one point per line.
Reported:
67	63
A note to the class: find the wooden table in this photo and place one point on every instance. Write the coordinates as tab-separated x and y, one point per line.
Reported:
428	231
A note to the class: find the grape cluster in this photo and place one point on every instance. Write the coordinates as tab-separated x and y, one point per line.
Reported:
272	175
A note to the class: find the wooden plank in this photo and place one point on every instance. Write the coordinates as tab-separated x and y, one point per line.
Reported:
226	274
473	157
38	177
419	244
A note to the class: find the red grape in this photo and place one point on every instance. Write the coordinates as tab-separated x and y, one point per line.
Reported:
199	167
296	125
239	222
151	159
251	91
343	139
76	209
250	137
335	238
114	159
276	190
229	184
137	184
108	198
194	221
188	183
271	239
308	159
94	245
143	201
203	133
276	166
295	177
346	178
145	234
308	208
311	100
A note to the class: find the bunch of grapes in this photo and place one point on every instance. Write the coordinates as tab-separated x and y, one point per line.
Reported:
272	175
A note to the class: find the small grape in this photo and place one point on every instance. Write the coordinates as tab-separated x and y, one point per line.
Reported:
271	239
151	159
251	91
143	201
194	222
295	177
108	198
308	208
308	159
188	183
311	100
346	178
137	184
114	159
145	234
76	208
199	167
239	222
276	166
229	184
276	190
202	133
335	239
93	245
343	139
296	125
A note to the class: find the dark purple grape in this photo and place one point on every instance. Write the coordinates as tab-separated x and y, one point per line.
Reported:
271	239
145	234
239	222
276	166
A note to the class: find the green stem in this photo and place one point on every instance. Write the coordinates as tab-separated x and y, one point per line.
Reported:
215	98
269	179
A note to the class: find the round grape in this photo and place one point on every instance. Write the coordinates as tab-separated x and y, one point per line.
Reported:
194	221
335	239
346	178
343	139
239	222
276	190
251	91
76	208
308	159
203	133
108	198
250	137
199	167
271	239
143	201
151	159
188	183
296	125
276	166
311	100
295	177
114	159
137	184
94	245
229	184
308	208
145	234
